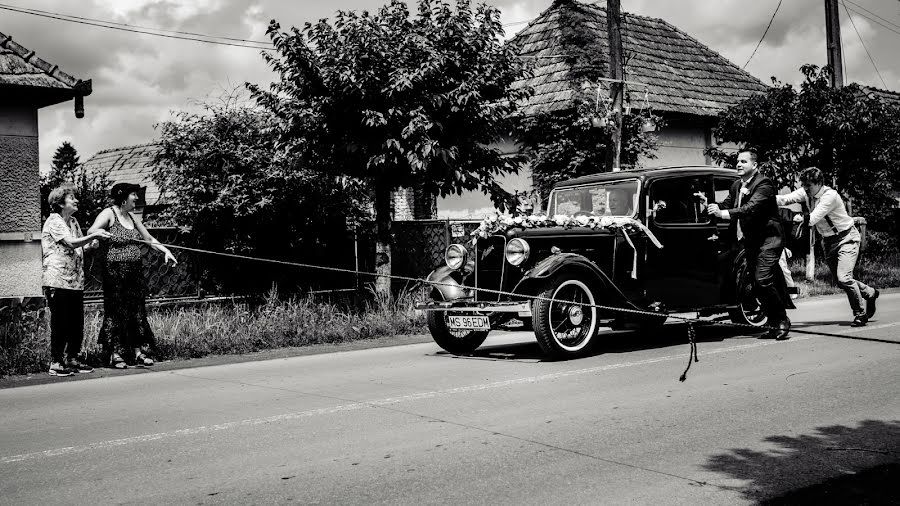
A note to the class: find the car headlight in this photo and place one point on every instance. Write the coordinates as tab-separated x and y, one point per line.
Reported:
456	256
517	251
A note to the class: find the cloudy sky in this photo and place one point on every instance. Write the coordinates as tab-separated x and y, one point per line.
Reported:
138	80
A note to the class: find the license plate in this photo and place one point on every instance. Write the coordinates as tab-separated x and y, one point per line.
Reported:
469	322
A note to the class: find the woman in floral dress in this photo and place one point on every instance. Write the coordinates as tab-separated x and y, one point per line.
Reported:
63	245
125	331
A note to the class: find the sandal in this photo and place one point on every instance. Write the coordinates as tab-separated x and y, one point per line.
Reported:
116	362
142	359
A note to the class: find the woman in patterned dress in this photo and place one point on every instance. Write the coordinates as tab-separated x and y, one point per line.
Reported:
63	245
125	331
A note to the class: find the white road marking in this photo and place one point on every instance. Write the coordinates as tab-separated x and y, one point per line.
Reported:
377	402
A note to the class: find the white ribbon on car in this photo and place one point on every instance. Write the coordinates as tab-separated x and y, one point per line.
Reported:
650	236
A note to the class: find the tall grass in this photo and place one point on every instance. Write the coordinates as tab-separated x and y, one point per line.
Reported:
230	328
881	272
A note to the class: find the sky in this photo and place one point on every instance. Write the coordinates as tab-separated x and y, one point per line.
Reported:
140	80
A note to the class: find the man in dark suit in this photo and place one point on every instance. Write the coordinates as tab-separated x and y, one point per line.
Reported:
753	212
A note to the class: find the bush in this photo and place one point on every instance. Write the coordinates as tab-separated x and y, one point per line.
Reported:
24	340
881	244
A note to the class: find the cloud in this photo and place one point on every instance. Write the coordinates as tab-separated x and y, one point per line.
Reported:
138	79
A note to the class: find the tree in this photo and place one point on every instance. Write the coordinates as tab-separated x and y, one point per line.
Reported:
396	101
230	189
853	136
563	145
90	189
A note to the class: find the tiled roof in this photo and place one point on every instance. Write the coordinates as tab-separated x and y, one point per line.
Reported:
684	76
130	164
19	66
890	97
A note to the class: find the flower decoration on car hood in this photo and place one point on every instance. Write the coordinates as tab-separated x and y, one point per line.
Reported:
499	224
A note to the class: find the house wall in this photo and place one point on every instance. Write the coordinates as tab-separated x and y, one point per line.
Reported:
475	205
20	210
680	144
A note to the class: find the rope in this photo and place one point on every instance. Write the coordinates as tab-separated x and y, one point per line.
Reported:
690	321
692	354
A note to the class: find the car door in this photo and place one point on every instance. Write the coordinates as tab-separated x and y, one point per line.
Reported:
684	273
727	247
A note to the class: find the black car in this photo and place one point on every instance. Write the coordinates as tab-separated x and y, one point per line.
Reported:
638	243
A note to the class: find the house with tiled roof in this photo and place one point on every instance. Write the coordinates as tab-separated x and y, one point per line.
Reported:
131	164
668	72
27	83
674	75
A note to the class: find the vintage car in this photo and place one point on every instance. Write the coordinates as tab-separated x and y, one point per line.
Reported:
613	250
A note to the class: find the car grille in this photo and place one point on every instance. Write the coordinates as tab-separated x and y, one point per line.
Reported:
490	263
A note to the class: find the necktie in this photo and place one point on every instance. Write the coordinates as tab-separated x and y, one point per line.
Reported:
740	233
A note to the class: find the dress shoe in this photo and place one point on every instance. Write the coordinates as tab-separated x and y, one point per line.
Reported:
870	305
784	326
859	320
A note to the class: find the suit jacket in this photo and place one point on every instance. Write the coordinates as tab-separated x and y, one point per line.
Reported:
761	225
758	212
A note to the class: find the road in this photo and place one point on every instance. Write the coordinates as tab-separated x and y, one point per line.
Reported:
412	425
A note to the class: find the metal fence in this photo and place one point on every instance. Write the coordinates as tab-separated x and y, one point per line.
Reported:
183	279
418	247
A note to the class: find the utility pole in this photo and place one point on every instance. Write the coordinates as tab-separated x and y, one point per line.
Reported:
836	62
617	85
833	42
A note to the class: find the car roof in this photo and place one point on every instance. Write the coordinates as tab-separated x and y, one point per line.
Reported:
647	173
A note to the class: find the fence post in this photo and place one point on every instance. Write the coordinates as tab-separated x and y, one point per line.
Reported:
446	233
356	257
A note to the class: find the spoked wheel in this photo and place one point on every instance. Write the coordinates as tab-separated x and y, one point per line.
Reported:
565	325
455	341
749	310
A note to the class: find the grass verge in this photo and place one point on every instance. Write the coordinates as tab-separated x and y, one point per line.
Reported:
882	272
222	329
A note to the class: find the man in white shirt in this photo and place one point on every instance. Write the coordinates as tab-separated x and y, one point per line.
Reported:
840	239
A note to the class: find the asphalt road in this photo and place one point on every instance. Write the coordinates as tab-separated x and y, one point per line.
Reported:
410	424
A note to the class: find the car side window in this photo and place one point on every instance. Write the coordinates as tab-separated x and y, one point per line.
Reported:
681	200
722	187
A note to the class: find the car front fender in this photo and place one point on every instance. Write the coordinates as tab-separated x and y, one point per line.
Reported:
447	284
579	266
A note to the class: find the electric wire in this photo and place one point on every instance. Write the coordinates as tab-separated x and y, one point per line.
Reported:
874	14
763	35
864	45
127	25
147	30
123	29
883	25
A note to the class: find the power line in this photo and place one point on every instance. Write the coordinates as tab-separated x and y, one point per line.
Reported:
100	24
763	35
126	25
887	27
874	14
143	29
864	45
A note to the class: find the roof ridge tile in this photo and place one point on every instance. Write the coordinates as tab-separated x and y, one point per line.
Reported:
30	57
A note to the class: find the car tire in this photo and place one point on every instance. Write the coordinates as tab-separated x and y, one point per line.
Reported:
457	342
565	321
747	311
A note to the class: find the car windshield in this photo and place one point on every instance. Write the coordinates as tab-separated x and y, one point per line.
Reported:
615	198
